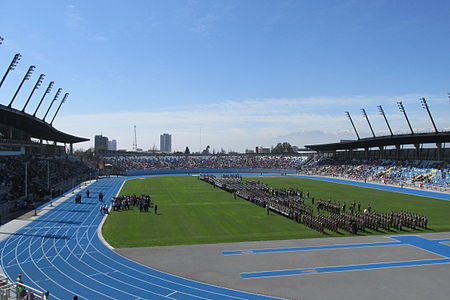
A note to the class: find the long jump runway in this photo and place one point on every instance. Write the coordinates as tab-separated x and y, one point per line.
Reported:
61	252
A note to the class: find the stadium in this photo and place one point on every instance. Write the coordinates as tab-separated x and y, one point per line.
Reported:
362	218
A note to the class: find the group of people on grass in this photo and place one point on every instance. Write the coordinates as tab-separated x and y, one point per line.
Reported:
291	203
125	202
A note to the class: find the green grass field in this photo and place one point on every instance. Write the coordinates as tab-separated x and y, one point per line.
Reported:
193	212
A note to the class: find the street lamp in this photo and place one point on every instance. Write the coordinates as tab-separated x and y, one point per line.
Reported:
425	106
351	121
26	77
380	109
54	99
63	100
402	109
367	118
47	91
36	86
12	66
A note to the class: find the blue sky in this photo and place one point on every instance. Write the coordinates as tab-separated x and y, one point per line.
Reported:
243	73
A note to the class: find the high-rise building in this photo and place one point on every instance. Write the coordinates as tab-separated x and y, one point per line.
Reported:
100	142
165	142
112	145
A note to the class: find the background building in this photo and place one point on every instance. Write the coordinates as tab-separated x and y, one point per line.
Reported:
100	142
165	142
112	145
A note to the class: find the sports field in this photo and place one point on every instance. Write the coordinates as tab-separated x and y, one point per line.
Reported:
193	212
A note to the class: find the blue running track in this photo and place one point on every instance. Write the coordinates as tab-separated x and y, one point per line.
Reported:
61	252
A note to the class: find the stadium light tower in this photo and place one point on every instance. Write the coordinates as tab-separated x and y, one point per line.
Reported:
47	91
54	99
425	106
63	100
12	65
36	86
380	109
367	118
351	121
26	77
402	109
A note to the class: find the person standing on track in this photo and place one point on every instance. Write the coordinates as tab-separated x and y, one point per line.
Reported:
46	295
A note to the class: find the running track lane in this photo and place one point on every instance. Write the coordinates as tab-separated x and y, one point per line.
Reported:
62	253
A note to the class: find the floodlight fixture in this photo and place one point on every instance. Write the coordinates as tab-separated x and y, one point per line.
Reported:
63	100
368	122
1	40
425	106
11	67
36	86
353	125
47	91
380	109
26	77
54	99
402	109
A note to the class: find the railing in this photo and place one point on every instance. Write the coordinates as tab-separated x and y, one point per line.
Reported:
16	290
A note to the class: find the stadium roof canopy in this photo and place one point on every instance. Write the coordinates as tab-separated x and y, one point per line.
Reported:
382	141
35	127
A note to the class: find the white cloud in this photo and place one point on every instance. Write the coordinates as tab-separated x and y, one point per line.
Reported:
244	125
73	17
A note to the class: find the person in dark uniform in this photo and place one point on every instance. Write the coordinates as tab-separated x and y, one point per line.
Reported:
100	197
156	209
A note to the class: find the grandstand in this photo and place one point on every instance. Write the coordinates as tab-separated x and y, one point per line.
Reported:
391	147
36	159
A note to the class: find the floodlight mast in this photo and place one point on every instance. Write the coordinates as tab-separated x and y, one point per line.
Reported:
380	109
425	106
63	100
47	91
351	121
12	65
368	122
54	99
36	86
402	109
26	77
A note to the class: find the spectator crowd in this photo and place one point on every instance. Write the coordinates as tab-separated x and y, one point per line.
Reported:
40	176
126	163
434	173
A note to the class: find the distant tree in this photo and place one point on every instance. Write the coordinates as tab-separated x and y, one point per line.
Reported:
206	151
222	151
283	148
187	151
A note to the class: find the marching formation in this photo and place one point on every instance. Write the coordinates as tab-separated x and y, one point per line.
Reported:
291	203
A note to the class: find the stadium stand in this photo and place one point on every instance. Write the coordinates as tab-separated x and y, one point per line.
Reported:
417	173
124	163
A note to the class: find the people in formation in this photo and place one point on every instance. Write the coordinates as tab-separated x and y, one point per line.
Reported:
339	216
